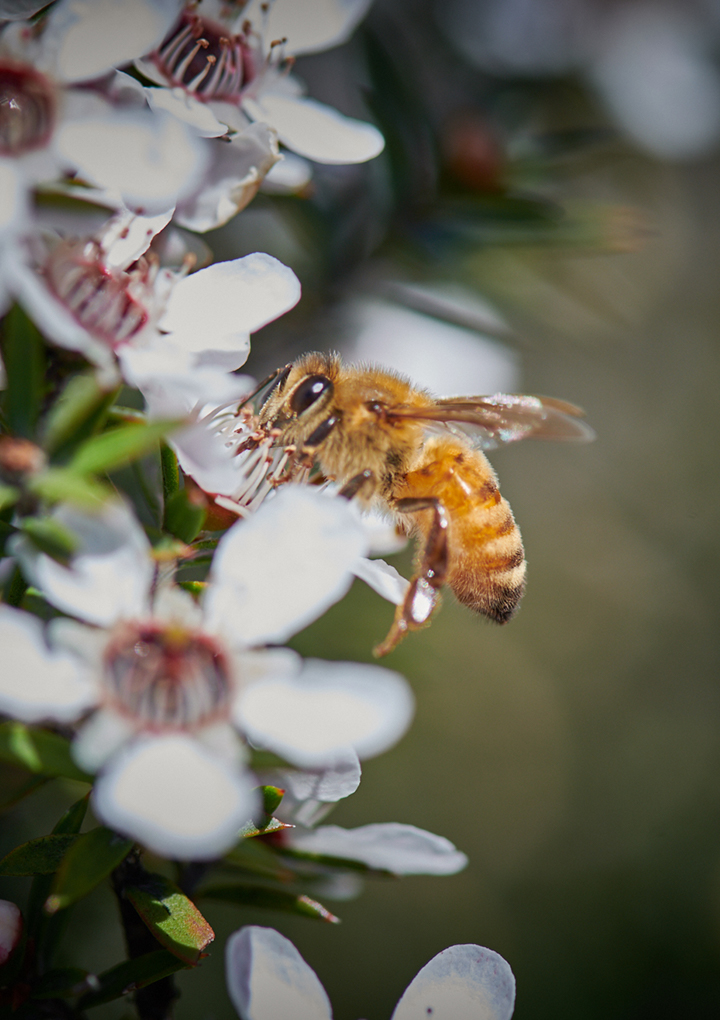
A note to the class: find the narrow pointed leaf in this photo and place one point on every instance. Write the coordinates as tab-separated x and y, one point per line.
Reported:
91	859
61	485
23	353
41	856
73	818
119	446
183	518
129	976
39	751
172	918
273	825
329	861
270	899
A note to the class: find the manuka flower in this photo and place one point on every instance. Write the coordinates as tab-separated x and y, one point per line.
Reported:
102	296
267	977
234	61
165	687
57	119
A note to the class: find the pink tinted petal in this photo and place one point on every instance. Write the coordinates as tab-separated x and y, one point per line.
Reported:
462	981
175	797
392	846
316	131
268	979
312	719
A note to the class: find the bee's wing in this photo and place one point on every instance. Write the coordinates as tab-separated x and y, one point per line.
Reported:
504	418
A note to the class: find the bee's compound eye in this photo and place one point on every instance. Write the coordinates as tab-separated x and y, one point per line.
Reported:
309	390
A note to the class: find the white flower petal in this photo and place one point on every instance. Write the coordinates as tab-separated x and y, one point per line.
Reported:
109	576
462	981
186	108
100	738
312	25
316	131
232	179
382	578
290	174
312	719
151	160
128	236
268	979
392	846
328	785
219	305
37	683
90	37
172	383
13	197
175	797
283	567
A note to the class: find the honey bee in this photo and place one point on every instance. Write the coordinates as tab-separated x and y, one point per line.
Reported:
390	444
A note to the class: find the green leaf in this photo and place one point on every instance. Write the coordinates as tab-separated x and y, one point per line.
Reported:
91	859
270	899
39	751
50	537
182	517
73	818
23	353
41	856
265	828
56	485
119	446
79	411
172	918
129	976
254	857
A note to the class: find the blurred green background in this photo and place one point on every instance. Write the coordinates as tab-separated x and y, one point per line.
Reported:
575	754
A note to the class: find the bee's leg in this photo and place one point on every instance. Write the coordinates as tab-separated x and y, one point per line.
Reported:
277	378
364	481
423	594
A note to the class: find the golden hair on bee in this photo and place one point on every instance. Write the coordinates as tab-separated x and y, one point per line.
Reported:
391	444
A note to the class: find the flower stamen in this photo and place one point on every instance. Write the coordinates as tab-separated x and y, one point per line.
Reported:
100	298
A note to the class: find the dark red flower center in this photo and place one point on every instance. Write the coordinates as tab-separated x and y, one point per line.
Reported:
167	677
103	300
202	57
27	109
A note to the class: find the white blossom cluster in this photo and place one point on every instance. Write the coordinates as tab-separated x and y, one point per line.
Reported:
147	116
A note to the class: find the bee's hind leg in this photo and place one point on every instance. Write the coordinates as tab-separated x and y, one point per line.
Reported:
423	594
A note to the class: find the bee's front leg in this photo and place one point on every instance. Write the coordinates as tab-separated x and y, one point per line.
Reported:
423	594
